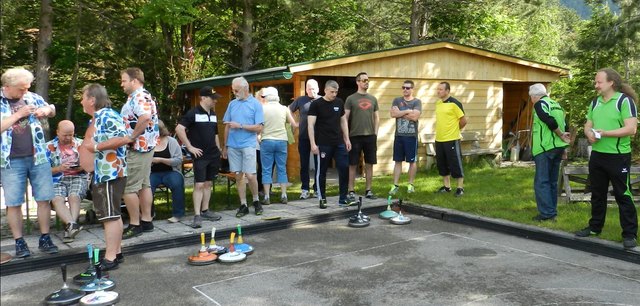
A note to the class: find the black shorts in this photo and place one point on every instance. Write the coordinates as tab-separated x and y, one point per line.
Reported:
449	158
205	170
367	144
107	198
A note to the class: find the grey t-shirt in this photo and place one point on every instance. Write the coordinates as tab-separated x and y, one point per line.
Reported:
405	127
21	140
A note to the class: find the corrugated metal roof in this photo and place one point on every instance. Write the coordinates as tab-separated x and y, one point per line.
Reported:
276	73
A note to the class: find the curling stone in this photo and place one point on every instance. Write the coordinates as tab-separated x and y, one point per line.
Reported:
66	295
400	219
203	257
388	213
99	282
360	219
241	246
232	256
100	297
213	247
90	273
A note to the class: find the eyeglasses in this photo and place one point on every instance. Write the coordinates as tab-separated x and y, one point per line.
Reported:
406	87
364	80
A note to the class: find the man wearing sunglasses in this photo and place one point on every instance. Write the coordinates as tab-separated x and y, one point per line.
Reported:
361	110
406	110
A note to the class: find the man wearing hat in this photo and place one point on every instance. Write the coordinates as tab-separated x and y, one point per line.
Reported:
195	130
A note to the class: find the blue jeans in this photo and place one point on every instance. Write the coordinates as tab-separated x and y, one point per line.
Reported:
14	181
341	157
545	183
270	151
175	182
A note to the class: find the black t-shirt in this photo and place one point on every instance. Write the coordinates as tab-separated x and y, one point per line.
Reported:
161	167
327	130
21	139
302	103
202	127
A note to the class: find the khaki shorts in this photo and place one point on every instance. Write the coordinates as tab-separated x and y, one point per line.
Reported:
138	171
107	198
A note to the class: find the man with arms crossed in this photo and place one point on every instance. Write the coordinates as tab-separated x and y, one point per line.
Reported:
406	110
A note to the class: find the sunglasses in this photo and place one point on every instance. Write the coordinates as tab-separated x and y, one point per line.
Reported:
364	80
406	87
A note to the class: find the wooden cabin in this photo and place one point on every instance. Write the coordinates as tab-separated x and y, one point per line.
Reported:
492	87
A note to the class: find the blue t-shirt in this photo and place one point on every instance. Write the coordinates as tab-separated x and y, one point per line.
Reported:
245	112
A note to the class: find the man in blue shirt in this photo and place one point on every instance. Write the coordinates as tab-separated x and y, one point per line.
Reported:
243	120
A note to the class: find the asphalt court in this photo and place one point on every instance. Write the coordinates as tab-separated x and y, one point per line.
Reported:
428	262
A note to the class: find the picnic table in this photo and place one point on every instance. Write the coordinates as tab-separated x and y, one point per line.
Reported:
580	190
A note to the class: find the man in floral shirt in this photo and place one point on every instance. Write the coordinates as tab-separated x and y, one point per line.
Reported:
69	180
141	122
106	138
22	156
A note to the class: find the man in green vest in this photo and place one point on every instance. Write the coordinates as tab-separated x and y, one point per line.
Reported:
611	121
549	142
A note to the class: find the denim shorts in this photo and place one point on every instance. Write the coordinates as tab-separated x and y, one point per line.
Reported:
14	178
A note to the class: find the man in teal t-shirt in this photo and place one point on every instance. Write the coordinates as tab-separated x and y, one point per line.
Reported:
549	141
611	121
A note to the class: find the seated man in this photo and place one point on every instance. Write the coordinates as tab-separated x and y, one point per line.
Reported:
69	180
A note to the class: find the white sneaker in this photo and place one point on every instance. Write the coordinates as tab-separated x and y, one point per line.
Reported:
304	194
173	220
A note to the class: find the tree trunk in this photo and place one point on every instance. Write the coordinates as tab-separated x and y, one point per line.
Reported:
44	41
76	68
247	36
43	64
415	22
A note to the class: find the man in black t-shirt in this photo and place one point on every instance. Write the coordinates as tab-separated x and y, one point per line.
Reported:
302	104
196	130
329	137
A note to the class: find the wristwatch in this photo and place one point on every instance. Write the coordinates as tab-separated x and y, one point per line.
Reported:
131	137
95	147
241	126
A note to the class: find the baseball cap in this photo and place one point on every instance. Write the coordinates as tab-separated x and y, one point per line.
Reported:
208	91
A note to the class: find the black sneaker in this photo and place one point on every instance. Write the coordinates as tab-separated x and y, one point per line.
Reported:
209	215
459	192
258	208
242	211
629	243
586	232
132	231
106	265
46	245
323	203
73	229
22	249
119	258
540	218
147	226
369	195
444	189
351	197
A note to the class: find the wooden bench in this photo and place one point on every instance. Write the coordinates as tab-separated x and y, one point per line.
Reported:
470	145
579	175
